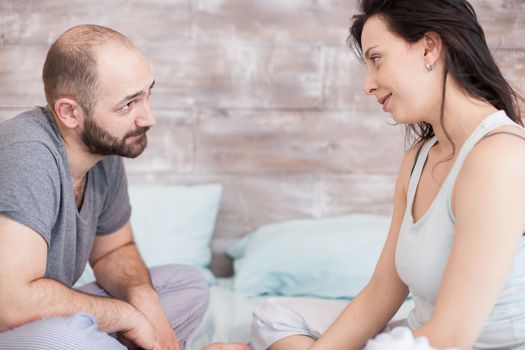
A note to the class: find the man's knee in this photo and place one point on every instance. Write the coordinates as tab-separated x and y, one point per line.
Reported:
182	280
179	275
184	295
78	331
198	295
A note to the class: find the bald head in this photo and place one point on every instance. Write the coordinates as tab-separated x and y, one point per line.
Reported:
70	68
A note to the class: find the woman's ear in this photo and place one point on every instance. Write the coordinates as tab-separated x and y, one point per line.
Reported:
67	112
432	48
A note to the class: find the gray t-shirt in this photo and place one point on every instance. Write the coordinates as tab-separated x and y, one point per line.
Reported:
36	190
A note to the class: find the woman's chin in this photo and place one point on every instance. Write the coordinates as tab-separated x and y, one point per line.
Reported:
401	119
395	117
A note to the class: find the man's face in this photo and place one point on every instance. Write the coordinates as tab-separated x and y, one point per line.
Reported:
122	113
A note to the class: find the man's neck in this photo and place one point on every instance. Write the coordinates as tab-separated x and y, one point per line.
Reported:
79	160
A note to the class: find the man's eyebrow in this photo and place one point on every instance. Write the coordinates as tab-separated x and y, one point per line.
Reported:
136	94
368	50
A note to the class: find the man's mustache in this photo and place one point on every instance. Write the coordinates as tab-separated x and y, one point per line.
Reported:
137	132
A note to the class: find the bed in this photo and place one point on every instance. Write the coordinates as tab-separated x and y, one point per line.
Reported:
227	319
229	316
328	258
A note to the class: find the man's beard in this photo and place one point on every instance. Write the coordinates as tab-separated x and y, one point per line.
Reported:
99	141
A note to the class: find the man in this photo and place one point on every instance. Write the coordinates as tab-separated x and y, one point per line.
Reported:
64	201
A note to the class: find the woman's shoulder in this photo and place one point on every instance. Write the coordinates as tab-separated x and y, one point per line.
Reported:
500	146
490	183
499	155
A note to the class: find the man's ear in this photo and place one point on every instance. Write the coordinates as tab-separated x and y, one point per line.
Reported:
432	48
68	112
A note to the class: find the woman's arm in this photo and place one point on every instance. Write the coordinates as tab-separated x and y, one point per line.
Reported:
489	205
378	302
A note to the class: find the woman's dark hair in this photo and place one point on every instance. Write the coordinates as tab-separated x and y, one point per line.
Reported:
467	56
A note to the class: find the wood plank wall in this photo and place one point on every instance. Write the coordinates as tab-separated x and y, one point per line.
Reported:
262	96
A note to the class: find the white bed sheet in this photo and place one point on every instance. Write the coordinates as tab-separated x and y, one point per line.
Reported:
229	316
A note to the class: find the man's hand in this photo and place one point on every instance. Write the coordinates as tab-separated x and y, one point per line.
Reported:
146	300
141	333
120	270
166	338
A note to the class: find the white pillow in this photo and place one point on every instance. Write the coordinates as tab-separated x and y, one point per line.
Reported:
173	224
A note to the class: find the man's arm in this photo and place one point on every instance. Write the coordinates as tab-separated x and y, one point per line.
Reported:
119	269
26	295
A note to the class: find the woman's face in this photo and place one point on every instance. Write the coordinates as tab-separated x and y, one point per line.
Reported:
396	74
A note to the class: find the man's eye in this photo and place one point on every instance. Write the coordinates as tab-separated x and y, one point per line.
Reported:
127	106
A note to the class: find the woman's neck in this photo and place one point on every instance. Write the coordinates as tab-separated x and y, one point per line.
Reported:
462	114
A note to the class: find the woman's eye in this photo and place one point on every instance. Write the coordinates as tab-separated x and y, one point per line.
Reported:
374	59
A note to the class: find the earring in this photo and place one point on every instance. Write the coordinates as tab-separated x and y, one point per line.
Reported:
429	67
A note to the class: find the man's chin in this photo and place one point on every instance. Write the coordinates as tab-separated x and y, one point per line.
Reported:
136	148
134	151
134	154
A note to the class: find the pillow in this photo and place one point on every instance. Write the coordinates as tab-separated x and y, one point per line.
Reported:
327	258
173	224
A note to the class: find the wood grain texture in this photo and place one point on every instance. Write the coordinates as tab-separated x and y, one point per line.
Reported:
291	22
292	142
502	21
237	76
21	75
143	21
512	65
164	22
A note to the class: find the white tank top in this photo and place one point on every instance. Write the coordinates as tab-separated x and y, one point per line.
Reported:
424	246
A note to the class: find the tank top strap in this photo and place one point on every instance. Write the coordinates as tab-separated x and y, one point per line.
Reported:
420	161
488	124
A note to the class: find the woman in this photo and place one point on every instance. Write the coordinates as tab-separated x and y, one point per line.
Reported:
456	237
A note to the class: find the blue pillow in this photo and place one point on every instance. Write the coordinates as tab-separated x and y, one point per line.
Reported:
173	224
327	258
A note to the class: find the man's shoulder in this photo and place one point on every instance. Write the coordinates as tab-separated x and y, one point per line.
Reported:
32	126
28	140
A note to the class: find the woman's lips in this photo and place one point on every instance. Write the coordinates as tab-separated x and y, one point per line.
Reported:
384	101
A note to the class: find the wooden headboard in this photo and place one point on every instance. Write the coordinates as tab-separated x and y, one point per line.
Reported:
262	96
